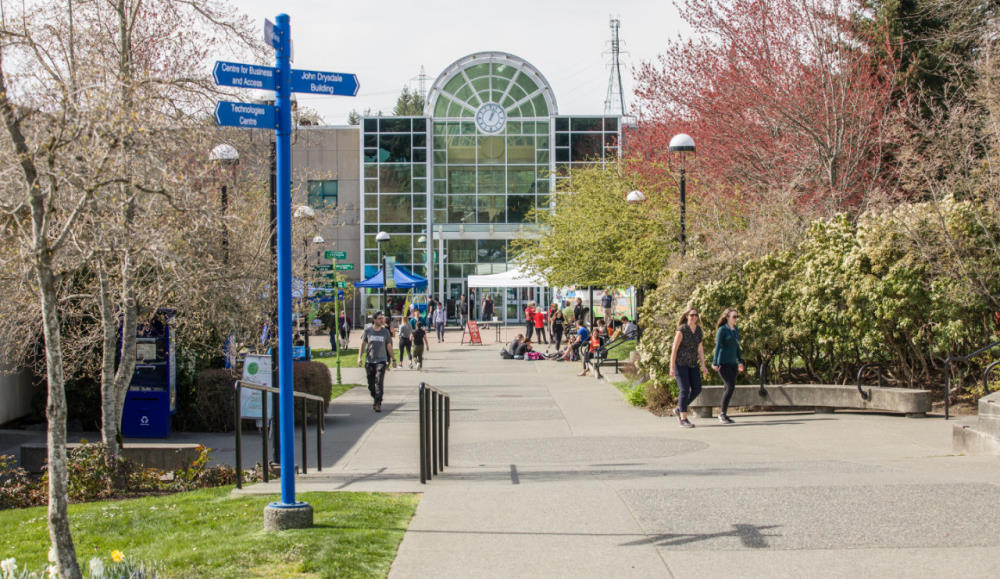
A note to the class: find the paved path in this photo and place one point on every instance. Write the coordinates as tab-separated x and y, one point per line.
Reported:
555	476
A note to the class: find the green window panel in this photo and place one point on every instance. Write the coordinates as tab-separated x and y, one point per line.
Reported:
542	128
491	251
371	170
520	150
469	128
514	128
440	157
515	94
419	140
396	208
454	270
521	179
371	215
394	125
440	186
440	172
462	150
371	155
420	170
420	126
461	179
462	209
322	194
518	207
420	185
461	251
542	141
440	202
397	148
481	86
541	107
440	215
542	157
542	186
468	95
399	246
371	186
586	146
492	209
491	150
610	124
526	83
419	216
492	180
504	70
395	178
439	142
586	123
454	84
477	70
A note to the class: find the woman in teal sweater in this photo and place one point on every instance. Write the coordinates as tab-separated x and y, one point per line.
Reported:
728	358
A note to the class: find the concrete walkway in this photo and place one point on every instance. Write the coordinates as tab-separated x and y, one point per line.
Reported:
553	475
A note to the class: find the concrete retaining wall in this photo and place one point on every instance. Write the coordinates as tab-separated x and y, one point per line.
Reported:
824	397
983	435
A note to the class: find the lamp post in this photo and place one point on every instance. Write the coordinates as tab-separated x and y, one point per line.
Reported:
381	238
682	143
224	155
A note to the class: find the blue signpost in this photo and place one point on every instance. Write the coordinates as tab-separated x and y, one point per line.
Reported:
283	80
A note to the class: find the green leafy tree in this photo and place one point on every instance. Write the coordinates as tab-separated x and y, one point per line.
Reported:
409	104
591	237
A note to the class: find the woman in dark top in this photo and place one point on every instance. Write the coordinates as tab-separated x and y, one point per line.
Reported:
687	354
727	359
558	327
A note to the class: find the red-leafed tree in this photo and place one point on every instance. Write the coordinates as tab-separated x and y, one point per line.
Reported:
786	99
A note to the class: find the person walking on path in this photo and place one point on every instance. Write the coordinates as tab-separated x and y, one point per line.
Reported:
578	311
558	327
440	317
462	311
529	320
581	346
487	308
686	355
727	359
607	307
344	324
405	341
376	345
420	342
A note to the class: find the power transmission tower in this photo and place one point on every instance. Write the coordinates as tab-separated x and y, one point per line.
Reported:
421	79
614	103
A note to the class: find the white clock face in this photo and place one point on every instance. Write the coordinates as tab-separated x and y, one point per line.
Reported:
491	118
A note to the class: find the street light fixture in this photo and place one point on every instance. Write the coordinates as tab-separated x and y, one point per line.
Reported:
380	238
682	143
224	155
635	197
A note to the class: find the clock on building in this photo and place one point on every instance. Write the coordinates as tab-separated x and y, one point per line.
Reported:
491	118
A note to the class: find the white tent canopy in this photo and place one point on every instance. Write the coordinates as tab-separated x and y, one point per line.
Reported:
509	278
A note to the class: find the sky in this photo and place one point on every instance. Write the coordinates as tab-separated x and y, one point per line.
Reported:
386	43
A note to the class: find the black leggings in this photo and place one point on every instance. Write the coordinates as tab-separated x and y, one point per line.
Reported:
557	333
404	346
728	373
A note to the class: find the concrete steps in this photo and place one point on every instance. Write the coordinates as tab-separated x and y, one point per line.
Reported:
979	435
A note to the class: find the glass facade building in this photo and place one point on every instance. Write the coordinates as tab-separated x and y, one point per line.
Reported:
454	187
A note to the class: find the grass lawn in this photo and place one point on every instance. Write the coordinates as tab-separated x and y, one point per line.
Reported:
348	357
208	533
622	352
339	389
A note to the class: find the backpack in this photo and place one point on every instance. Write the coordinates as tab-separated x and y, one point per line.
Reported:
532	356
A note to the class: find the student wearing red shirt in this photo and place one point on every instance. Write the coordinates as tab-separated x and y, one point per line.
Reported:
529	320
540	318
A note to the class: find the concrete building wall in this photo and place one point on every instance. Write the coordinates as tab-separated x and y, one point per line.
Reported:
332	153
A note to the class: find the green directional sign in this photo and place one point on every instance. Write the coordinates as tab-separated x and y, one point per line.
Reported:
324	267
328	275
341	284
335	255
345	267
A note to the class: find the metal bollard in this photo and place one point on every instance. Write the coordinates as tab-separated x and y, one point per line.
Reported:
263	430
239	437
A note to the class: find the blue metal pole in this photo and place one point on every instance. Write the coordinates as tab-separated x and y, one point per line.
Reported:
284	177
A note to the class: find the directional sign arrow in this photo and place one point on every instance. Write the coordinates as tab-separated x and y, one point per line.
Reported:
246	115
345	267
244	75
318	82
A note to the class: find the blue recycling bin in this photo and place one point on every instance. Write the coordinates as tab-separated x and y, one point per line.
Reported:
151	399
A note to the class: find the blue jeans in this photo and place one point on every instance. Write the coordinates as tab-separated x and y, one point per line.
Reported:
688	385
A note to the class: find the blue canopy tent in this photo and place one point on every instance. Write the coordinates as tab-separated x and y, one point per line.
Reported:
405	279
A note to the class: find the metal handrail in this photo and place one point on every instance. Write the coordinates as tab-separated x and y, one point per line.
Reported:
868	395
435	421
947	372
320	429
986	376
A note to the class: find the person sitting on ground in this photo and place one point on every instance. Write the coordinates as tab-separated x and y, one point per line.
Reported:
523	350
513	346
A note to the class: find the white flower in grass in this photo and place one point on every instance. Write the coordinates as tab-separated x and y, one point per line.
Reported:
9	567
52	571
96	568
